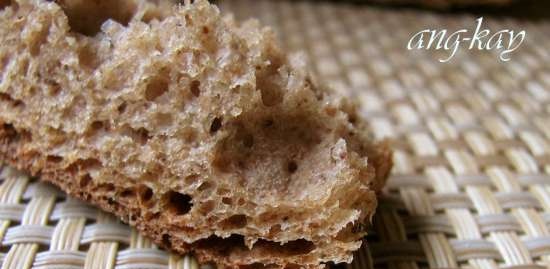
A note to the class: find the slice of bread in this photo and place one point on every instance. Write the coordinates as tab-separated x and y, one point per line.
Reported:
196	130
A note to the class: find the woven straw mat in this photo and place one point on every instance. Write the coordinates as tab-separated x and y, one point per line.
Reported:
471	182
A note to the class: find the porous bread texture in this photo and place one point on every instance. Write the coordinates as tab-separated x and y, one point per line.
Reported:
196	130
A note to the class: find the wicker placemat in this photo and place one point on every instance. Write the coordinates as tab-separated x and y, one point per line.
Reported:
471	184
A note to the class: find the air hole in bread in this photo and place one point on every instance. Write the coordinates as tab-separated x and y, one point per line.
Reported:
195	88
292	166
205	186
145	194
38	38
166	240
126	193
291	248
121	108
13	135
84	164
8	130
227	200
266	82
352	119
133	219
216	125
4	97
222	244
177	203
85	180
156	87
4	4
111	201
234	222
275	229
32	89
18	104
105	187
86	17
150	216
207	207
188	20
53	88
140	135
96	126
222	191
190	179
54	159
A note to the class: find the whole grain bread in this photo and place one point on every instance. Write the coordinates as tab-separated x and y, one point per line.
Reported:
191	127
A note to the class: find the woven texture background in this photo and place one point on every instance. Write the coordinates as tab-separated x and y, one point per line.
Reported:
471	184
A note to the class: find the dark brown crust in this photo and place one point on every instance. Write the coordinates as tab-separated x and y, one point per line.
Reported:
228	253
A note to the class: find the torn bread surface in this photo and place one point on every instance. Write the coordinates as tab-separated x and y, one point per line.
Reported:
195	129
